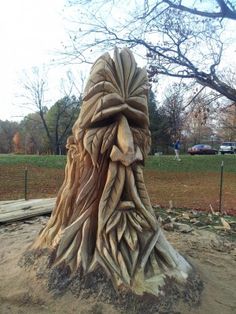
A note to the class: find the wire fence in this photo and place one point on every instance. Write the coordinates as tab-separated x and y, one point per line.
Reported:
205	191
29	182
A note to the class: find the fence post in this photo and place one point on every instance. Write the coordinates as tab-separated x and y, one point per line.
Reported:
26	183
221	185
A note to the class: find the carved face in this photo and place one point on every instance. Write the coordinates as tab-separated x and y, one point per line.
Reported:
113	128
114	114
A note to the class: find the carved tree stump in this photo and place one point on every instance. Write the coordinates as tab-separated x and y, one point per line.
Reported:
103	217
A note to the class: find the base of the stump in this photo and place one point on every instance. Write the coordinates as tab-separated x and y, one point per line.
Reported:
58	280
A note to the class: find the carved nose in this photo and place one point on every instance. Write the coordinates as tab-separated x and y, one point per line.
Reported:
124	151
125	139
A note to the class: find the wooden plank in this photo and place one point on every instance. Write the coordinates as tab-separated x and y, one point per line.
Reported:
19	215
10	202
14	211
25	205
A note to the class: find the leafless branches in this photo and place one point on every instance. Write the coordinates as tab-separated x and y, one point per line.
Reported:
34	88
226	9
178	41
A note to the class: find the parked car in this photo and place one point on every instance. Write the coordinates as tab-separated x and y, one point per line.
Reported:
228	148
202	149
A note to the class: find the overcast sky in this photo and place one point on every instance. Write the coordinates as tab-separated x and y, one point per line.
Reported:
30	30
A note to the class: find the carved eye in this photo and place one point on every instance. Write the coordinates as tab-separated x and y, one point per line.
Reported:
135	123
102	123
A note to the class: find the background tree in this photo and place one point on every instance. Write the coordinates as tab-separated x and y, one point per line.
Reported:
56	121
60	119
7	131
154	121
34	88
167	120
17	143
34	135
227	123
161	118
201	117
218	9
179	41
173	109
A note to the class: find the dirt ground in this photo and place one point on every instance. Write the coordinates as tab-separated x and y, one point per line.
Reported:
213	256
191	190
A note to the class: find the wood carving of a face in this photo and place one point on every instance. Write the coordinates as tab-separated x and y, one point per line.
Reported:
103	215
115	109
113	130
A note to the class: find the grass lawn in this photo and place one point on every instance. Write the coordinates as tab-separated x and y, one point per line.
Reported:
191	183
197	163
45	161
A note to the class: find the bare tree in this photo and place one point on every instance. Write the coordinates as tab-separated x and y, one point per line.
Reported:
178	41
198	124
34	87
59	119
227	121
173	108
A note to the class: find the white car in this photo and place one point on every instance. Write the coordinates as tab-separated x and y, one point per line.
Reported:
228	148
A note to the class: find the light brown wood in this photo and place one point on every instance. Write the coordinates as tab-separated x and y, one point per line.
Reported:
103	215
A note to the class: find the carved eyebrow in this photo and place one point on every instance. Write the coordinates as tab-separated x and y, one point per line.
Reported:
115	86
127	110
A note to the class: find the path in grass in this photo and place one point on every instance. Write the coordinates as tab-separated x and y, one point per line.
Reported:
191	183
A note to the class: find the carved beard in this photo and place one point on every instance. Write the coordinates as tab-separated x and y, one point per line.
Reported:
125	221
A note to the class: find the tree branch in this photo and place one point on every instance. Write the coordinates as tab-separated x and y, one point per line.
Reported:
225	10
